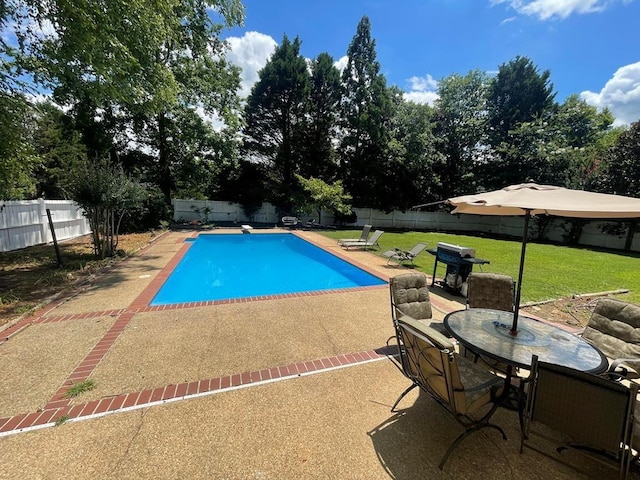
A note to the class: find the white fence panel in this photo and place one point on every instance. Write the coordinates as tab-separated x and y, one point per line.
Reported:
412	220
24	223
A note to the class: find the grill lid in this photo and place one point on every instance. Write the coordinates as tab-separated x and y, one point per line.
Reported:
465	252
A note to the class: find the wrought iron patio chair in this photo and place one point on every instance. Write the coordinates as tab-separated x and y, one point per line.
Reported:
467	391
614	327
490	290
409	295
591	414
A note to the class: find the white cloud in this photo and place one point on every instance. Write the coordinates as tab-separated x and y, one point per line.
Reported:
507	20
250	52
549	9
341	63
421	97
422	90
422	84
621	94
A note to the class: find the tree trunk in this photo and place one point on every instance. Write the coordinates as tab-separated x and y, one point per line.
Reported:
630	233
164	181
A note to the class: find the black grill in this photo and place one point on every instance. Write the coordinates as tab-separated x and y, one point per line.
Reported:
459	261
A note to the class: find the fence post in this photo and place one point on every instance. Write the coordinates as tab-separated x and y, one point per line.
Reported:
55	240
42	215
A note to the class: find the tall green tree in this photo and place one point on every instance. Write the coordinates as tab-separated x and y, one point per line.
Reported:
320	160
580	124
60	149
366	112
276	116
518	93
18	160
460	122
621	174
196	154
141	60
518	97
414	161
577	131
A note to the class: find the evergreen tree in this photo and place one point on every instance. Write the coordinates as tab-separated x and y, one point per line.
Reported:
518	94
275	117
366	113
460	122
60	149
320	160
520	101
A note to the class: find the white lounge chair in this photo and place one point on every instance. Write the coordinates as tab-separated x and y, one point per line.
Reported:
404	255
289	222
363	236
371	242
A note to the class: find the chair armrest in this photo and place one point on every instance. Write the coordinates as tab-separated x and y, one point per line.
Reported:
618	366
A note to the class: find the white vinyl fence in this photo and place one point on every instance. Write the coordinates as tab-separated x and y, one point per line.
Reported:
24	223
221	211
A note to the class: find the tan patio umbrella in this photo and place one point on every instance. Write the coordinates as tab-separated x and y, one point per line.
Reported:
529	199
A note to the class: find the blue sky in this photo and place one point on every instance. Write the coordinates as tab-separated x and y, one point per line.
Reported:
591	47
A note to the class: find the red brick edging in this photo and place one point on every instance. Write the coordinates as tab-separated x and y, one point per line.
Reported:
53	413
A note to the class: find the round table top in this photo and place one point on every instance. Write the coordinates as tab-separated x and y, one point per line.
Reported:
487	332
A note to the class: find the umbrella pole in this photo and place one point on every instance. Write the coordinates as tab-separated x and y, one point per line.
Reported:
525	235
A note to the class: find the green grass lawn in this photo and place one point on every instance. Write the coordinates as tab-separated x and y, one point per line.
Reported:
550	271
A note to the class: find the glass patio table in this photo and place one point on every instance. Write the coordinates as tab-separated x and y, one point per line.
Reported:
487	332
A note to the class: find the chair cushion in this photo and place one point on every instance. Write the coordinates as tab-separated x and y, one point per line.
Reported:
490	290
411	295
437	338
478	382
614	328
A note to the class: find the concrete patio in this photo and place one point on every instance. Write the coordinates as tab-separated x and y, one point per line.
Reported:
291	387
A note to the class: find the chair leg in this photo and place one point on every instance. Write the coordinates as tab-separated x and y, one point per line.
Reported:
464	435
402	395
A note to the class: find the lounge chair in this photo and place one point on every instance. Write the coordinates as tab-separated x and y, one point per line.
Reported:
371	242
363	236
400	256
289	222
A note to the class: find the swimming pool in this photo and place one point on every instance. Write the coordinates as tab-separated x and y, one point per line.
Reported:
219	267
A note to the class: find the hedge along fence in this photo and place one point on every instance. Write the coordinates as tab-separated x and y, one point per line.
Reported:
216	211
24	223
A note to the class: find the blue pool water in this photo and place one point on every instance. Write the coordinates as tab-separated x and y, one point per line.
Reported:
218	267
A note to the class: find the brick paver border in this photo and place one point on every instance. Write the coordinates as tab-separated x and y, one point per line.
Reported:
53	413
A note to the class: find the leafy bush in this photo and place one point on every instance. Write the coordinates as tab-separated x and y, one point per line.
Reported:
106	194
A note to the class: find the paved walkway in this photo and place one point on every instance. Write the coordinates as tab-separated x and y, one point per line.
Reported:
316	363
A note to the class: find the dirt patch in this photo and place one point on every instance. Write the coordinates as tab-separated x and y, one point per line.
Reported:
30	276
574	312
